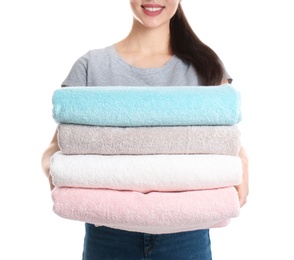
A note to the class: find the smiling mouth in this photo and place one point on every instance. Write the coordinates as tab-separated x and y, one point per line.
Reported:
152	8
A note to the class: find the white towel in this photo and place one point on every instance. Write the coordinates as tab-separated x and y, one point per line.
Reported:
146	173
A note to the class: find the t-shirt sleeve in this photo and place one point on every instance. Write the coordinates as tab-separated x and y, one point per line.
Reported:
78	73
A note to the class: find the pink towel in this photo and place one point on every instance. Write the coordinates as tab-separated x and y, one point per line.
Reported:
154	212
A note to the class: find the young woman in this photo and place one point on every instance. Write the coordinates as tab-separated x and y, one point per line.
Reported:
160	50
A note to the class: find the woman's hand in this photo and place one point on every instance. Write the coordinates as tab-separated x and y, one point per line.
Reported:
243	188
46	158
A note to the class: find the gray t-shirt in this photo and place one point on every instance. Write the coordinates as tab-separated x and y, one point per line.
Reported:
104	67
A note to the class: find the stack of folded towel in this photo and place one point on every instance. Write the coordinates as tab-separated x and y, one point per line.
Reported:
147	159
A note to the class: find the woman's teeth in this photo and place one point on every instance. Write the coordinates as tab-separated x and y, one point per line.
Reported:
153	9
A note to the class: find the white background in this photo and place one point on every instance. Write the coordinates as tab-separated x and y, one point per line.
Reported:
40	42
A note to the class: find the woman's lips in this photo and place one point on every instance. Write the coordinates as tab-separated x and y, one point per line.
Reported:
152	10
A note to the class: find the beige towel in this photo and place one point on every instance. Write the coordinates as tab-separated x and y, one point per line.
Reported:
84	139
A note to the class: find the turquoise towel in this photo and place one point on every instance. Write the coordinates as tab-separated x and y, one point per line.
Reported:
147	106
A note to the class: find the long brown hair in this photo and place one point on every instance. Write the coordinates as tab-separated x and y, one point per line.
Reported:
187	46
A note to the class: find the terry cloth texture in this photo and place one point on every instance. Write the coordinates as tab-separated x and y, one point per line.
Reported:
147	106
83	139
146	173
155	212
147	159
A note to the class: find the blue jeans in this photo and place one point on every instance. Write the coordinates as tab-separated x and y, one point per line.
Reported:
103	243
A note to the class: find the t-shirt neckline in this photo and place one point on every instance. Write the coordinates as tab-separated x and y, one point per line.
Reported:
168	64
